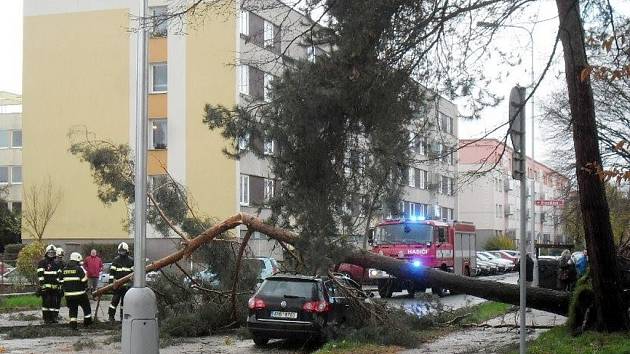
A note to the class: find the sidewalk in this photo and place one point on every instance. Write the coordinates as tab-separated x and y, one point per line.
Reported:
34	317
489	340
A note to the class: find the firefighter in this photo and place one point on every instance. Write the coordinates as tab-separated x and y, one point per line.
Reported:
121	266
74	283
61	264
48	273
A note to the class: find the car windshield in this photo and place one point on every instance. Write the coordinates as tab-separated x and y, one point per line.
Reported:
490	255
288	288
482	256
404	233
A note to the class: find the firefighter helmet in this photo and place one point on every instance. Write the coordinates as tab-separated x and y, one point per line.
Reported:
51	251
76	256
60	252
123	248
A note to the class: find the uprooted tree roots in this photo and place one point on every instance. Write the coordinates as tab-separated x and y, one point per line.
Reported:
538	298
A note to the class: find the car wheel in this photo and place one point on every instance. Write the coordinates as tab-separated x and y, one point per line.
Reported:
440	292
385	289
260	340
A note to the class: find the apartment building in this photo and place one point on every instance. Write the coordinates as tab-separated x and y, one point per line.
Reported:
492	200
430	183
80	71
11	150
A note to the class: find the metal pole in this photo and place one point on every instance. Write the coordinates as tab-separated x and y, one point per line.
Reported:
523	243
533	201
140	225
139	328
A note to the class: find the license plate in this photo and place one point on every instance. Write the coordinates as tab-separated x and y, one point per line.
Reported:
282	314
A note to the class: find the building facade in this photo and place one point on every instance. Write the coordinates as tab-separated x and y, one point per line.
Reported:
11	150
79	74
492	200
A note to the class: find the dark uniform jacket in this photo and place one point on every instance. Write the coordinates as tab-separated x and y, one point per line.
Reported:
48	273
121	266
73	279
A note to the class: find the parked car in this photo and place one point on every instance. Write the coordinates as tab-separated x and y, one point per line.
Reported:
103	277
513	257
482	268
487	268
267	266
298	306
12	276
504	264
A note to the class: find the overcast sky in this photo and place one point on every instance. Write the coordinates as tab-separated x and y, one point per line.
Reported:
512	39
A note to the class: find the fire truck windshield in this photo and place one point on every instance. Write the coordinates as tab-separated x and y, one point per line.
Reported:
404	233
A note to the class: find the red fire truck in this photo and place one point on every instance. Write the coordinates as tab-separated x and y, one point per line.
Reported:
449	247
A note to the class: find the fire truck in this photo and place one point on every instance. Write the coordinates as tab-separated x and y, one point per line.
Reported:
450	247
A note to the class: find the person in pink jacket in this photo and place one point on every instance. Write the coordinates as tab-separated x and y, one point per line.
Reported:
93	265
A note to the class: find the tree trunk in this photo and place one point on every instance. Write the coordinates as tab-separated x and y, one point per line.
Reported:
611	313
538	298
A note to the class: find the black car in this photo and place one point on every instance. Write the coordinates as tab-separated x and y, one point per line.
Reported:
298	306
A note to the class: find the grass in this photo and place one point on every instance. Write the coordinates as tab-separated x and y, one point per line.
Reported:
20	302
347	347
486	311
559	340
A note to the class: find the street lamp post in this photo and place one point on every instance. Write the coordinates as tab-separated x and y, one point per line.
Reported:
139	322
533	187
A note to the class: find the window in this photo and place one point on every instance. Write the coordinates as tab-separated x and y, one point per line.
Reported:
450	214
268	34
244	198
158	137
445	185
158	78
269	189
412	209
16	207
16	174
16	138
268	147
243	142
422	146
310	53
268	78
244	79
4	174
5	138
245	22
411	180
423	179
451	158
160	24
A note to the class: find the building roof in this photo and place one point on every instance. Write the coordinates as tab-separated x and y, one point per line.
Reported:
10	98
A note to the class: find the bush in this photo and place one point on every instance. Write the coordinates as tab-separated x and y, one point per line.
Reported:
27	260
107	251
500	242
11	252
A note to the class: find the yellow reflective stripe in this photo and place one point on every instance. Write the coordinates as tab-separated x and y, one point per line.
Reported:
40	269
73	319
50	286
112	268
74	293
71	278
123	269
84	279
41	278
55	310
112	307
50	272
87	316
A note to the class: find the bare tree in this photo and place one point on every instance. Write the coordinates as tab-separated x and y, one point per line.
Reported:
39	206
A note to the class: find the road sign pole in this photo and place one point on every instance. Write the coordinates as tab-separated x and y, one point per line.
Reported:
519	172
140	328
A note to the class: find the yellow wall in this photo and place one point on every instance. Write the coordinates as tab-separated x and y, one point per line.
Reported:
210	176
157	105
156	162
76	70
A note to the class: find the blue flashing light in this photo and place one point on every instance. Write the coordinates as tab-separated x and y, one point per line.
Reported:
421	218
416	263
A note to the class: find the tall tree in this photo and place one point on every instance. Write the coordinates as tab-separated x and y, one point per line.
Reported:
611	314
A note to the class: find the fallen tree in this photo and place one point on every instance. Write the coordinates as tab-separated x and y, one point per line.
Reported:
543	299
